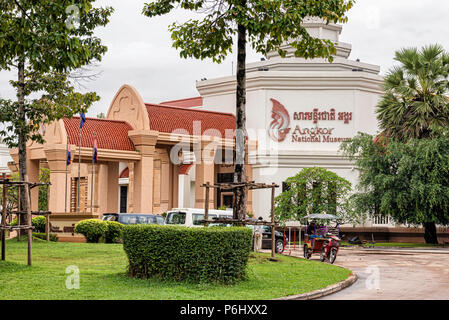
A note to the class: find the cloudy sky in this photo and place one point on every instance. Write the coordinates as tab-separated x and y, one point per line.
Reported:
140	52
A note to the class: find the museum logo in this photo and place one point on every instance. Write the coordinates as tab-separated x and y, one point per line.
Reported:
280	126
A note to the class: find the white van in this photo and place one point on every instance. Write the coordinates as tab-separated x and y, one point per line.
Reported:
191	217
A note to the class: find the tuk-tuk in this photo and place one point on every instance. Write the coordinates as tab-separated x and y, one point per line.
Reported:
321	238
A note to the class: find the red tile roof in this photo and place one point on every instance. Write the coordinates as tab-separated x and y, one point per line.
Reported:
169	119
111	134
185	103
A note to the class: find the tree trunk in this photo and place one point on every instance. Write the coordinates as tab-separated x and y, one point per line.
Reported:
240	137
22	139
430	233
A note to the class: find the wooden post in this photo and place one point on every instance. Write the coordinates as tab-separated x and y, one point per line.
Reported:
5	188
206	205
30	231
273	228
47	218
19	207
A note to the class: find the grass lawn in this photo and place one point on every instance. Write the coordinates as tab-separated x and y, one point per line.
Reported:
103	276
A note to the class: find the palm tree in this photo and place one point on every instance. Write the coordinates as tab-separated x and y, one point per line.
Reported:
415	103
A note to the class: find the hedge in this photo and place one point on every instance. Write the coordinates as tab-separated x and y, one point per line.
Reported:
53	237
37	222
214	254
91	229
113	233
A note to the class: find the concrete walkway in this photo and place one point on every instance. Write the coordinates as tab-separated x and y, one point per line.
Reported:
393	274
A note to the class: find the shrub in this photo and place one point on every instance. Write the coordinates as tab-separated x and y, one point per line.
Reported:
113	231
91	229
215	254
53	237
37	222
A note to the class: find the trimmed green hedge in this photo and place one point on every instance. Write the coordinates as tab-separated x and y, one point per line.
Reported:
214	254
91	229
113	233
37	222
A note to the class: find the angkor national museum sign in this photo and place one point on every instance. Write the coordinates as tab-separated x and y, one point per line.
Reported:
281	125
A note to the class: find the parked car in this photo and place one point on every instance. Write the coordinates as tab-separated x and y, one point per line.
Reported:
134	218
191	217
266	238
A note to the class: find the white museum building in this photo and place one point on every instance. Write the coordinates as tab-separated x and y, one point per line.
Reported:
299	111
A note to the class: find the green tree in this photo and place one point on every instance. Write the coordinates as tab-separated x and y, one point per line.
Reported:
315	190
44	41
415	103
407	181
266	25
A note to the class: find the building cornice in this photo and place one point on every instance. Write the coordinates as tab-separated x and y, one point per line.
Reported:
294	80
330	160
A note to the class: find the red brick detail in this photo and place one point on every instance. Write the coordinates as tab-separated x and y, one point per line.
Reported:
181	120
124	173
185	168
111	134
185	103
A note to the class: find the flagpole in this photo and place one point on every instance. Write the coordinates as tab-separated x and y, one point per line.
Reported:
66	169
92	180
79	164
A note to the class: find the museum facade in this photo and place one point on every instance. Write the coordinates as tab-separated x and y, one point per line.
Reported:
155	157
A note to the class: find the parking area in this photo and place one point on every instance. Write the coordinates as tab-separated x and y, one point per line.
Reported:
394	274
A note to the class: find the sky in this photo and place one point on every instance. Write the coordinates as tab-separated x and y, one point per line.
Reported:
140	52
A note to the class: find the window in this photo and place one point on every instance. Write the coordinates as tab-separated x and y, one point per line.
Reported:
123	199
176	218
158	220
128	219
110	217
197	217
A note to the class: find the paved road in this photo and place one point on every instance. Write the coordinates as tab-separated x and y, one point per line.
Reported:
394	275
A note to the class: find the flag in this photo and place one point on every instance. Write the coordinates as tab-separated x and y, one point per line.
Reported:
95	157
83	119
69	155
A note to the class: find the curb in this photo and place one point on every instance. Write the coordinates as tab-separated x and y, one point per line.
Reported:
397	250
323	292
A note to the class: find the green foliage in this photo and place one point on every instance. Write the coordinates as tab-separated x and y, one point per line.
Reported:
37	222
44	176
12	196
215	254
113	233
315	190
43	236
415	102
407	181
39	40
91	229
269	25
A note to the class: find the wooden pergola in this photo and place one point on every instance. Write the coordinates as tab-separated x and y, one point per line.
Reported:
29	213
246	186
